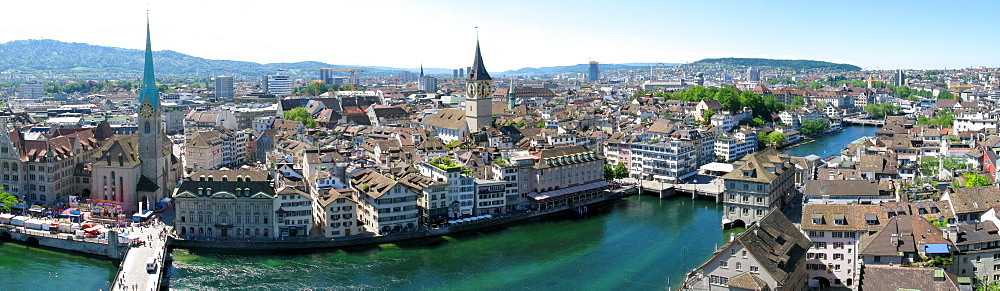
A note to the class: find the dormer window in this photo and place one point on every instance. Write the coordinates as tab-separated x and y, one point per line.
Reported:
747	174
225	178
202	178
839	219
210	178
817	219
871	219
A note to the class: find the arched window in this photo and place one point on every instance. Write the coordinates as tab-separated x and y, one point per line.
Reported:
225	178
6	166
13	167
147	128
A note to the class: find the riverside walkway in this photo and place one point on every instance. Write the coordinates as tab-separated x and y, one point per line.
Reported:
132	272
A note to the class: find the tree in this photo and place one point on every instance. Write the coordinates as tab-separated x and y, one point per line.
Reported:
880	111
620	171
774	139
6	200
707	115
975	180
318	87
946	95
798	101
814	126
609	172
815	85
301	115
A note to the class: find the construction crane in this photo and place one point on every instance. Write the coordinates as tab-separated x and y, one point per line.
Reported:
957	89
351	71
871	81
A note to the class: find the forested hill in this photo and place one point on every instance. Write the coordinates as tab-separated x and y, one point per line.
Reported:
57	57
780	64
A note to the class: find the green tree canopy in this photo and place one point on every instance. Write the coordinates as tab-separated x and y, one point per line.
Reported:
975	179
814	126
880	111
6	200
946	95
798	101
773	139
301	115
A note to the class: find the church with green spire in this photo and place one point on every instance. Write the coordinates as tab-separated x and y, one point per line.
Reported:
139	170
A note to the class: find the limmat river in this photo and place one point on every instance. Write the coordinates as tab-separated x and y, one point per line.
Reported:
635	243
825	146
31	268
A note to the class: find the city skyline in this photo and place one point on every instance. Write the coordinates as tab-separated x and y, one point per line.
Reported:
521	34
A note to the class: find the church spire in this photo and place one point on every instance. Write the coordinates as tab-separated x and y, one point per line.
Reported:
510	95
149	94
421	69
478	71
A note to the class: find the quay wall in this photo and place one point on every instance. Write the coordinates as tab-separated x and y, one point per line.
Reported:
304	244
62	241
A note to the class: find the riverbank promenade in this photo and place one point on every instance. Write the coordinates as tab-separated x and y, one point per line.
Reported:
133	274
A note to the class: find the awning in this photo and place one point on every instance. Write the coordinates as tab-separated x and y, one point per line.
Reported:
570	190
936	249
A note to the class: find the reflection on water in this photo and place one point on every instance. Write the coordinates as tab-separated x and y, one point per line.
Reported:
635	243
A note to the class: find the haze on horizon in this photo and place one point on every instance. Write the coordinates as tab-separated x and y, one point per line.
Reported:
516	34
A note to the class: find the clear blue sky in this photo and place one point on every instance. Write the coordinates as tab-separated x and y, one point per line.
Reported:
516	34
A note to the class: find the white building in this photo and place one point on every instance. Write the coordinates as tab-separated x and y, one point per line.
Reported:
384	204
293	209
461	191
277	84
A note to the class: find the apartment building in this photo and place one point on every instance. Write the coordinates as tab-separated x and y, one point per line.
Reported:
226	203
761	182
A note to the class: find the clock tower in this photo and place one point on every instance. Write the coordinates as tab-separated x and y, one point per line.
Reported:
153	153
479	88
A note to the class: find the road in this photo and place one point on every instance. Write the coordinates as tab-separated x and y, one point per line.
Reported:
134	275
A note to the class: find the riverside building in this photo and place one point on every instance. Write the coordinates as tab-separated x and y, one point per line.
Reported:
226	203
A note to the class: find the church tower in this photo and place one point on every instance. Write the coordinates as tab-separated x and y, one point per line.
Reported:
511	98
478	103
152	150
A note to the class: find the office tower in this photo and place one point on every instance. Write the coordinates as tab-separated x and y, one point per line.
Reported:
224	88
277	84
753	74
593	72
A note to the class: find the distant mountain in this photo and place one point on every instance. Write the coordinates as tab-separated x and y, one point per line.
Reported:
56	57
781	64
581	68
75	60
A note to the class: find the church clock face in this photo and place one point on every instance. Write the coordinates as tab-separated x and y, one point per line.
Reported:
471	90
146	110
485	90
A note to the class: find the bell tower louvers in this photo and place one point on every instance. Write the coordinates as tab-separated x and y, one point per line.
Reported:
152	154
479	103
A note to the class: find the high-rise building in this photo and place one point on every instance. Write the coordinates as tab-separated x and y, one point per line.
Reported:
326	75
224	88
593	72
461	72
899	78
426	83
479	86
31	90
753	74
277	84
454	73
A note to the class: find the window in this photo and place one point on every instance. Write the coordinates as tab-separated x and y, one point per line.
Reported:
739	266
877	259
732	252
838	256
819	245
836	234
813	233
838	245
718	280
754	269
723	264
